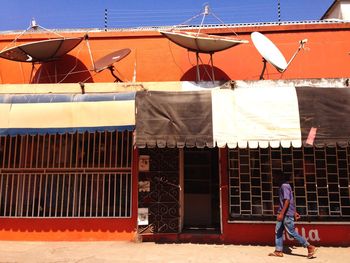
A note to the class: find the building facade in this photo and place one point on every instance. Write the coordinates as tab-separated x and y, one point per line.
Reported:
162	157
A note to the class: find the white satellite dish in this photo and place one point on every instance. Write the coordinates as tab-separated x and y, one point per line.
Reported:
271	53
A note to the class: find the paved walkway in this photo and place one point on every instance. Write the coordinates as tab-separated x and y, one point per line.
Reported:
129	252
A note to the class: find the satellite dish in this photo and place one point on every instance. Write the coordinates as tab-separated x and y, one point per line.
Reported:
199	42
271	53
108	60
111	58
41	51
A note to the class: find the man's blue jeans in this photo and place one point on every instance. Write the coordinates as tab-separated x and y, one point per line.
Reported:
288	224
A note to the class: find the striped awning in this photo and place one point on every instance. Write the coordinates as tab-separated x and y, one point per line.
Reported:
61	113
244	117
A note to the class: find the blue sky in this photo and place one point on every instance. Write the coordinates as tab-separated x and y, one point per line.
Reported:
16	14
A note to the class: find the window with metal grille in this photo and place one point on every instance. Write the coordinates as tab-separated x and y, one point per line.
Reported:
68	175
319	178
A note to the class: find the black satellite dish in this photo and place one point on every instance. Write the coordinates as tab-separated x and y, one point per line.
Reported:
107	61
39	51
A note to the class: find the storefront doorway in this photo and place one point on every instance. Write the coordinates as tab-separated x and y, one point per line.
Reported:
179	191
201	201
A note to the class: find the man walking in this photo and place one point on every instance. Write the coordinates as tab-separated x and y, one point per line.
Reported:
285	219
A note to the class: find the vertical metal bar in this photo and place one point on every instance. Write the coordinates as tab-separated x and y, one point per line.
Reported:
327	176
110	148
59	149
105	149
68	193
115	193
31	144
23	146
54	150
62	194
11	195
49	154
122	152
97	194
4	152
51	191
279	11
23	151
88	152
212	67
103	194
80	190
6	193
128	149
106	19
76	150
99	149
45	195
75	190
39	196
109	195
120	193
82	150
116	148
126	194
93	149
197	67
34	194
15	151
9	159
91	193
28	192
44	146
36	155
338	192
71	141
130	194
85	195
65	150
1	190
55	189
18	195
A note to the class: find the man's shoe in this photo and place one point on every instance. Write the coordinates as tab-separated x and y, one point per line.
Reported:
276	254
311	251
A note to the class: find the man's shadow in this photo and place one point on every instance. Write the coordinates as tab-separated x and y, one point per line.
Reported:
289	251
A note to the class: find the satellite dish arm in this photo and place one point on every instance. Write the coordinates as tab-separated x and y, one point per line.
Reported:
301	46
86	37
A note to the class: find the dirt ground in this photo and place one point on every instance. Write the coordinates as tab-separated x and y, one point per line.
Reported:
129	252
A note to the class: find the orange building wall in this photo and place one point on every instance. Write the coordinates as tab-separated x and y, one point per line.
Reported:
155	58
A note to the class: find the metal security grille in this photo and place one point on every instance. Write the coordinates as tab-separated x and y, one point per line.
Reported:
68	175
65	195
319	177
162	199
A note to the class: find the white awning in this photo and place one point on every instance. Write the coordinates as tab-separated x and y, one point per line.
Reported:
60	113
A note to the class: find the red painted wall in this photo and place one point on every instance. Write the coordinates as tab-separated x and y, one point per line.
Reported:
264	233
67	229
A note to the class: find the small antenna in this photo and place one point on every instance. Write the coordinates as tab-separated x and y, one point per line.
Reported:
33	24
206	10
